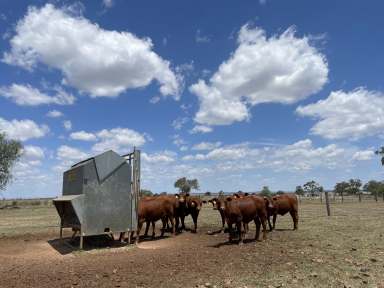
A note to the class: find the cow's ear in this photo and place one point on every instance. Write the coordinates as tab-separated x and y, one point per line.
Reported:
177	196
229	199
274	198
236	195
246	194
186	194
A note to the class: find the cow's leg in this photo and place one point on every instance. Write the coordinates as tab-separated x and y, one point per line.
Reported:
195	215
173	225
147	223
274	220
121	237
269	223
139	225
153	229
238	226
295	218
222	222
258	224
263	220
230	231
164	224
177	222
182	218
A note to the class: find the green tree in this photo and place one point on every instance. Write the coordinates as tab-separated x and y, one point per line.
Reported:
299	190
341	189
374	187
380	152
265	191
312	188
185	185
10	152
145	192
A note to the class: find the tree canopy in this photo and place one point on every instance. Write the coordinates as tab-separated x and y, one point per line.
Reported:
265	191
299	190
10	152
186	185
312	188
380	152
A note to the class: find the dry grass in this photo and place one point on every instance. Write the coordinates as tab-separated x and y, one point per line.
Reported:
344	250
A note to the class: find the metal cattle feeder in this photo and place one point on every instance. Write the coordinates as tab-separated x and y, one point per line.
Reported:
100	195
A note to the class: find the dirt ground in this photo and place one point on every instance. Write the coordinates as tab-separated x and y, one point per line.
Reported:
345	250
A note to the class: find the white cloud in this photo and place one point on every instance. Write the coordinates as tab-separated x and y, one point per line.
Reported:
67	124
67	153
26	95
183	148
178	123
54	114
199	38
263	2
163	157
353	114
94	60
118	139
206	146
178	141
33	152
83	136
280	69
108	3
154	99
22	129
363	155
200	129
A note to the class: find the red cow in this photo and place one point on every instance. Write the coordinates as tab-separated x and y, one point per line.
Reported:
282	204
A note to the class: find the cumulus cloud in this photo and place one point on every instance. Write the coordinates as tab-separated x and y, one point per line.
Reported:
178	123
83	136
26	95
67	124
200	38
65	152
22	129
161	157
206	146
353	114
91	59
363	155
54	114
108	3
200	129
118	139
280	69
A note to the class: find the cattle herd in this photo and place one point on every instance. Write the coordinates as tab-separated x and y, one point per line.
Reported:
236	210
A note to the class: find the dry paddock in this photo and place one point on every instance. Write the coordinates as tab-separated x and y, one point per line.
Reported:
345	250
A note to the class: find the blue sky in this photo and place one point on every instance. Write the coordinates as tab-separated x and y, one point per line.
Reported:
240	96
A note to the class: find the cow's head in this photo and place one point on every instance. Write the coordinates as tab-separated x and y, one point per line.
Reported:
270	203
195	204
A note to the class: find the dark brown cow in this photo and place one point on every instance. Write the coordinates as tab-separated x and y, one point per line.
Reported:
244	210
282	204
152	209
192	207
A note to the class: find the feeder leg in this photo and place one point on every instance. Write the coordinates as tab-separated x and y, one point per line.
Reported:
129	237
81	241
61	233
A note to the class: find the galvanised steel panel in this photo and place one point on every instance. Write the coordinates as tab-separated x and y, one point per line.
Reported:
107	163
106	203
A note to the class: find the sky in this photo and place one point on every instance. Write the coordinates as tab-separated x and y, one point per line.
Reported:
238	94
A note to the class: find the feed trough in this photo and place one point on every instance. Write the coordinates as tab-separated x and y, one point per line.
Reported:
100	195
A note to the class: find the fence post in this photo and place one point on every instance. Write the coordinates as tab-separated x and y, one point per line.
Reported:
327	204
359	197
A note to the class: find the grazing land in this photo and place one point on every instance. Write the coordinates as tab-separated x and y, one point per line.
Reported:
344	250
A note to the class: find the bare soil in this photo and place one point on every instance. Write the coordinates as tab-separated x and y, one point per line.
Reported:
345	250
